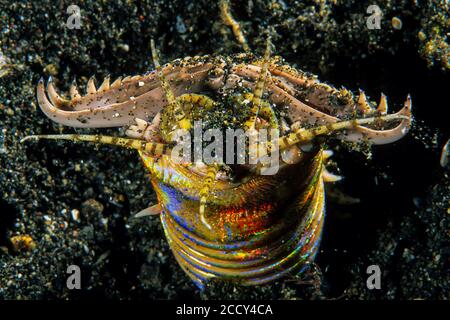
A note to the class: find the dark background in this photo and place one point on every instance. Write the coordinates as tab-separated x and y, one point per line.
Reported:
401	223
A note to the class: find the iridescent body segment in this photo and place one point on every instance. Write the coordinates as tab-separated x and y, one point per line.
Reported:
255	233
230	222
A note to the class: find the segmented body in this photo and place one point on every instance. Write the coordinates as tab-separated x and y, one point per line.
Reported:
259	230
256	228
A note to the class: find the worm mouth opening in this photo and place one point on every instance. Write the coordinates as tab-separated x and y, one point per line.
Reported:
298	98
222	92
305	102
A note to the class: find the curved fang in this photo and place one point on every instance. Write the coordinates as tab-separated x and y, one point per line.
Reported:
384	136
55	98
119	103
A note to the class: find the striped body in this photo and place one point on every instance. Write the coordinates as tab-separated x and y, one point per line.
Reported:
261	229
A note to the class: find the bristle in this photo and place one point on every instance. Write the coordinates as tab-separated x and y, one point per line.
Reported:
259	88
164	83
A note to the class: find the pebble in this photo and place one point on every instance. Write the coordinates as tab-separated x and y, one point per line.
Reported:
92	206
180	26
396	23
75	214
124	47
